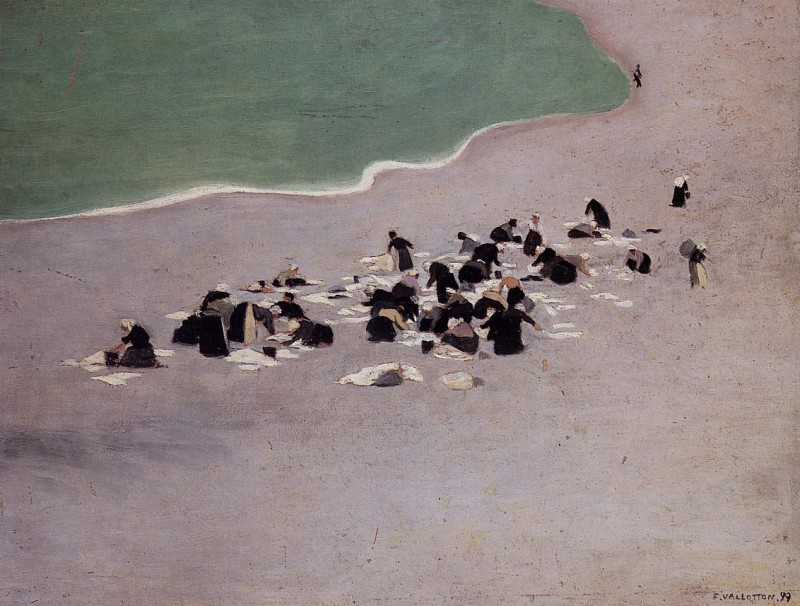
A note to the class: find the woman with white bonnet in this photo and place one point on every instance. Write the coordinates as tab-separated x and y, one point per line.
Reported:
535	238
290	277
680	193
135	350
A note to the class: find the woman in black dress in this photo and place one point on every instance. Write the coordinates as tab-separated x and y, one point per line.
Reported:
401	247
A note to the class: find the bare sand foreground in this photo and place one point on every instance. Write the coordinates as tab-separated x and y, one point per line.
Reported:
654	461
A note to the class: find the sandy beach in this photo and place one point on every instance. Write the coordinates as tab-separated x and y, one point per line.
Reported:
653	460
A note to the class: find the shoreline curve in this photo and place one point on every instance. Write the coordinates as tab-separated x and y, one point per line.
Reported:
370	174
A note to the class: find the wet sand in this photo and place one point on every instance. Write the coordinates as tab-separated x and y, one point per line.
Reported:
652	462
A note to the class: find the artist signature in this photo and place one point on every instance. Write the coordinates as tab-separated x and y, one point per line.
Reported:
743	596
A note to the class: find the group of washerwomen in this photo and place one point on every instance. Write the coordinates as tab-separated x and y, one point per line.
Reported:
222	319
451	318
498	307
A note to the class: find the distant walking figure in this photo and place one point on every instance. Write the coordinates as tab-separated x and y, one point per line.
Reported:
637	76
681	192
696	253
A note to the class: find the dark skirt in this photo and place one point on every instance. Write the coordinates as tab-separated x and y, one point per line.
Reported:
563	272
678	197
402	291
381	329
578	233
466	344
236	330
471	273
212	337
188	332
404	260
644	267
508	342
483	305
463	311
500	235
139	357
532	241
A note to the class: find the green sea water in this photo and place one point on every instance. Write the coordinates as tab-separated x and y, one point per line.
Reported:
112	102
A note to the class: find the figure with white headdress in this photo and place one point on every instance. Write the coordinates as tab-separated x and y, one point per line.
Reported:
680	193
135	350
289	278
535	238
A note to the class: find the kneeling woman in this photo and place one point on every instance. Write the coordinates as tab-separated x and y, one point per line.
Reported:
135	351
636	260
505	327
383	326
462	337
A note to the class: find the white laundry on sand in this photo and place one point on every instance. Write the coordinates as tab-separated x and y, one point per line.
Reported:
624	303
356	320
178	315
561	335
250	357
606	296
459	381
117	378
369	374
448	352
324	298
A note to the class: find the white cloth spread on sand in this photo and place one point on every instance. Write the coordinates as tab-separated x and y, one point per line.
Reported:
459	381
368	375
178	315
249	357
164	353
324	298
93	363
411	338
355	320
421	255
448	352
561	335
624	303
117	378
346	312
280	337
285	354
384	262
606	296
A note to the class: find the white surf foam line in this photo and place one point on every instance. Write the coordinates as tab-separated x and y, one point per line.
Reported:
364	184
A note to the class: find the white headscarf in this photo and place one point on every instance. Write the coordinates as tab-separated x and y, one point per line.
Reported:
127	325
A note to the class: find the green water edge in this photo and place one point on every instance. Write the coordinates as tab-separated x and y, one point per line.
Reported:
108	103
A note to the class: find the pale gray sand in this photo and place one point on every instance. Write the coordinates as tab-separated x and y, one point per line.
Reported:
653	462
